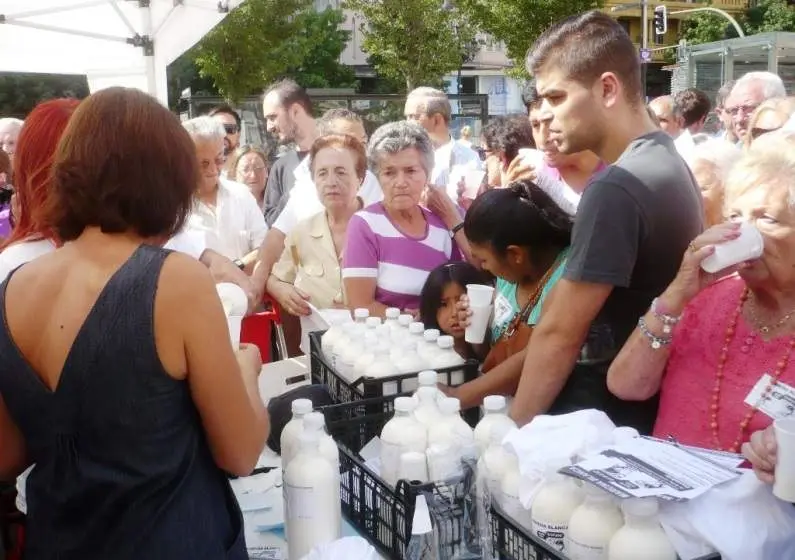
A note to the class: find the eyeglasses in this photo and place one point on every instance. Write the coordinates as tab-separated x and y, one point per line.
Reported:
757	132
231	128
747	109
255	169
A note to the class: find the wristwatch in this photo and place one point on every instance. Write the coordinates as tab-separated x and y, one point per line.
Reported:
240	264
458	227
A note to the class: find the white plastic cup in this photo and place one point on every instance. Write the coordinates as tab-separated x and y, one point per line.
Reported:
784	486
749	246
480	305
235	323
473	180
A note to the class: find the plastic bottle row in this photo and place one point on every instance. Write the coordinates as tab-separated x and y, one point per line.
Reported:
311	473
368	347
429	426
581	521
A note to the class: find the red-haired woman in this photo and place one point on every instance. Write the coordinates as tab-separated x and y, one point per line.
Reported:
33	159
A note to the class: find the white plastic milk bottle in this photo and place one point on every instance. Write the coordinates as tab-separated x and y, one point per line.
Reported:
315	422
495	412
330	338
553	507
447	357
642	537
593	524
293	429
402	434
427	412
428	345
312	508
496	460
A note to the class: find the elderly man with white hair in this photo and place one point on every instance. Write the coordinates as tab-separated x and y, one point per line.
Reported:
431	109
225	211
710	163
747	94
9	132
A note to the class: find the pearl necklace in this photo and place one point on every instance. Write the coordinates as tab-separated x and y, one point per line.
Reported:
781	365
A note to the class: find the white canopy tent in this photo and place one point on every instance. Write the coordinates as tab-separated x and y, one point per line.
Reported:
113	42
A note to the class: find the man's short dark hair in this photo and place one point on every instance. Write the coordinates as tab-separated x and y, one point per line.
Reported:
692	105
290	93
123	164
586	46
508	134
226	110
529	94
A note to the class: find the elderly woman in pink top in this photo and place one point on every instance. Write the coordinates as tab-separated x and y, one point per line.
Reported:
720	351
393	245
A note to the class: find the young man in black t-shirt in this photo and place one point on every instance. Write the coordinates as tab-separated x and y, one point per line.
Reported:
633	224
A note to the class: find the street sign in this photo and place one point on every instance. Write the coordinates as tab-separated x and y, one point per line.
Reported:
645	55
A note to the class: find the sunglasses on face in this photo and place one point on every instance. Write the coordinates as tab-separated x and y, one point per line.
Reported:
231	128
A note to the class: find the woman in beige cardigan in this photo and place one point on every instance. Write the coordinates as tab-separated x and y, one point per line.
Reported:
309	269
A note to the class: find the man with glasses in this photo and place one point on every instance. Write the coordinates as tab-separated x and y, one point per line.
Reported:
229	118
748	93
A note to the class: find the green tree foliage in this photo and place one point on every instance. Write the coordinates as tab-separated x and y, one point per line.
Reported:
518	23
263	40
764	17
19	93
323	39
414	42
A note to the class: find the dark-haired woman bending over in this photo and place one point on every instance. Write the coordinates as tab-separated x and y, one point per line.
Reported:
521	236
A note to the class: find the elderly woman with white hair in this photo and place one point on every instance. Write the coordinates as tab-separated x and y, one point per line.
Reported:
393	245
225	211
710	163
719	347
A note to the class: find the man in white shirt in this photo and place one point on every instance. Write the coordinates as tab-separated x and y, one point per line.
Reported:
225	211
431	109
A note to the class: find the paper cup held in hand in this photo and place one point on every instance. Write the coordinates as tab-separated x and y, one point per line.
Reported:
784	486
479	295
478	324
747	247
473	179
233	298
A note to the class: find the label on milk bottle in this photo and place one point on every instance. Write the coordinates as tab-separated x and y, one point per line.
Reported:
552	534
579	551
299	501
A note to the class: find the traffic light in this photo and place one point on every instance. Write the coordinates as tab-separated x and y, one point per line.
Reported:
660	20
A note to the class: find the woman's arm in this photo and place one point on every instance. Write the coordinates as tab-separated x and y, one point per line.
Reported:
223	382
361	294
637	371
14	457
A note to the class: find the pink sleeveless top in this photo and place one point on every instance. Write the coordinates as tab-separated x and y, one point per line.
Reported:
690	375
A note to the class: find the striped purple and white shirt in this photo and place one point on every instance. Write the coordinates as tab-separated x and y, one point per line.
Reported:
377	248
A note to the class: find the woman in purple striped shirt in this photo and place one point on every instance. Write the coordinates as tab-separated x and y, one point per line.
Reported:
393	245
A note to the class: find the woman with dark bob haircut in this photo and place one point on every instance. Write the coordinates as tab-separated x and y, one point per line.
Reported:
522	237
116	379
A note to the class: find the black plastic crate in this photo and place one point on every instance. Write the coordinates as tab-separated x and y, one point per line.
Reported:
343	391
512	542
384	514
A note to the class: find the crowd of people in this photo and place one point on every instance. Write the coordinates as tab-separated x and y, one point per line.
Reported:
123	403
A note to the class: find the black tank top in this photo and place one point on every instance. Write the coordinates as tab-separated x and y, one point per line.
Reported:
123	470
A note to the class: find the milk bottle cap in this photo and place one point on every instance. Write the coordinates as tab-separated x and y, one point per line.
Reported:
445	342
405	404
416	328
392	313
430	335
301	406
494	403
449	405
361	314
373	322
427	378
405	320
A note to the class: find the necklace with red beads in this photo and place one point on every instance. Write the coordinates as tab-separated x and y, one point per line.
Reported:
781	365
